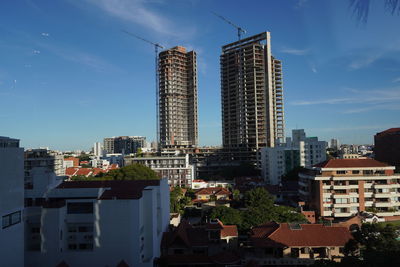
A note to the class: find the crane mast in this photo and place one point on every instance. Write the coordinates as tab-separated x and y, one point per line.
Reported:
156	47
239	29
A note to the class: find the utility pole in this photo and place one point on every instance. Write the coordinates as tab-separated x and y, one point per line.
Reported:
240	30
156	47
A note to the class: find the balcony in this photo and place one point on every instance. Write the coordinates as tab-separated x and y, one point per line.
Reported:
342	214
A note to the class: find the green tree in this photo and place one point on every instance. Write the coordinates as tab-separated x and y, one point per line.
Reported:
133	172
260	208
236	195
375	245
178	201
258	197
226	215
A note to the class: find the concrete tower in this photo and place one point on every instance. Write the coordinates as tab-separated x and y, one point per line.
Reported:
252	97
178	98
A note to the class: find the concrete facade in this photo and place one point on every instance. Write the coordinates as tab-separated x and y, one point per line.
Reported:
123	144
252	97
178	98
98	224
343	187
11	202
297	151
176	169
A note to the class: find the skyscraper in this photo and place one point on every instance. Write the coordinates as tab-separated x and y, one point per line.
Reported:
178	98
252	97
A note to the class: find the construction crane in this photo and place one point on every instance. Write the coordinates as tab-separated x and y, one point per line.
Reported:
156	47
240	30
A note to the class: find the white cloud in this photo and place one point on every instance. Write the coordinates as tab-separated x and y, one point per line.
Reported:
396	80
80	57
45	34
353	128
301	3
296	52
364	61
136	11
36	52
383	99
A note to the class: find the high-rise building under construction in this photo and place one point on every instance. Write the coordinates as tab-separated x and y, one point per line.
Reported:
252	97
178	98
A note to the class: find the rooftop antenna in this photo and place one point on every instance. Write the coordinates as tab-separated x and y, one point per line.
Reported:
156	47
240	30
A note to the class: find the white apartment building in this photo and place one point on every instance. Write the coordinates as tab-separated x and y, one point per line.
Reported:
11	202
176	169
343	187
100	163
277	161
42	157
198	184
98	149
97	223
297	151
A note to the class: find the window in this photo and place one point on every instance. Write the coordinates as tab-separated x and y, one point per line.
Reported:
353	200
79	207
80	236
34	238
341	201
340	172
355	172
11	219
294	252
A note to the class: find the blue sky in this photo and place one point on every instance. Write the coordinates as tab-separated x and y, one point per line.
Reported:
70	77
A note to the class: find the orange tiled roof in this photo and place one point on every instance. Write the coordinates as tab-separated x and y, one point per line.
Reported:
350	163
391	130
84	171
312	235
213	191
71	171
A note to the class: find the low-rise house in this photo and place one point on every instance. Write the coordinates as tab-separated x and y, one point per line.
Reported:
199	183
207	245
296	244
216	193
71	162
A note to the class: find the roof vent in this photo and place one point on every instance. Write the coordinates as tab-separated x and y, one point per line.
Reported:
294	226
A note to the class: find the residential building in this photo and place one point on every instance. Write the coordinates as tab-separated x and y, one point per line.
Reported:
11	202
97	150
207	194
334	144
252	97
100	163
177	98
312	151
70	162
287	244
297	151
176	169
206	245
42	157
123	144
387	147
277	161
341	188
199	183
98	223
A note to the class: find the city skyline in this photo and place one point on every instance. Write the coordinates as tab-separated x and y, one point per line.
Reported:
111	76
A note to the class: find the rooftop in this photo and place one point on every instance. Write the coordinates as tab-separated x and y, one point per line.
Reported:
114	189
298	235
388	131
350	163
